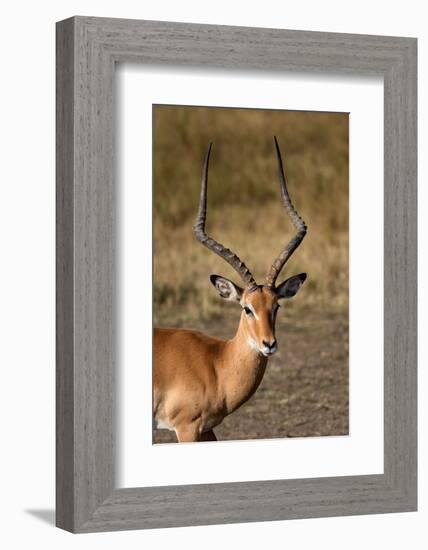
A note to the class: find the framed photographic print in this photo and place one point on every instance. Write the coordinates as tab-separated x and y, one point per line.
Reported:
236	274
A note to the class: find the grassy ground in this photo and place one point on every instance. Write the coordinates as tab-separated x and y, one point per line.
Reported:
305	389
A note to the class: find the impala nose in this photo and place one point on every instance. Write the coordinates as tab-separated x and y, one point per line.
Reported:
269	347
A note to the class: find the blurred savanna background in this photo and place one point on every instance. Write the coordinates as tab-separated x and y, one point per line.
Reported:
305	389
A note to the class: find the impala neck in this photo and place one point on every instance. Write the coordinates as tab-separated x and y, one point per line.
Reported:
242	368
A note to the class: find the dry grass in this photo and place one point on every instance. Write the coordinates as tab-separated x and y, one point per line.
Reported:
244	210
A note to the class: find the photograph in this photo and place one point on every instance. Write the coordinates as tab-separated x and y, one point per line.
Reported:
210	275
250	274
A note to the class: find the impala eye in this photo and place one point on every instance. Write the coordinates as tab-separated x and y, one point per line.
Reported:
248	310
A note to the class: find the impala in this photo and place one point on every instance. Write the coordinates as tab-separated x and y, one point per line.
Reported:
198	379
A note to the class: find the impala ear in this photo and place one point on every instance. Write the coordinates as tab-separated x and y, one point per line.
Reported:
290	286
226	288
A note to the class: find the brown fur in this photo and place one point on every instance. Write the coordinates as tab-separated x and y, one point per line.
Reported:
199	380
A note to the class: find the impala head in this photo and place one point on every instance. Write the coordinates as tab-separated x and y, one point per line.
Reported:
259	308
259	303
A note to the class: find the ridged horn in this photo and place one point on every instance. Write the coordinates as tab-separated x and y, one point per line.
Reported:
209	242
298	223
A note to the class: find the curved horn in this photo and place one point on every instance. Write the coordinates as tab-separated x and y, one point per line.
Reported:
298	223
199	231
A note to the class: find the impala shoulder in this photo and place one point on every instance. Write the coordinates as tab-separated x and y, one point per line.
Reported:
186	335
188	341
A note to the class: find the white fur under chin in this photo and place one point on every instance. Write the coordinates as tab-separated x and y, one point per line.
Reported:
253	345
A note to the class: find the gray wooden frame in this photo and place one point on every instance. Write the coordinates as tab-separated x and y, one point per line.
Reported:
87	50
